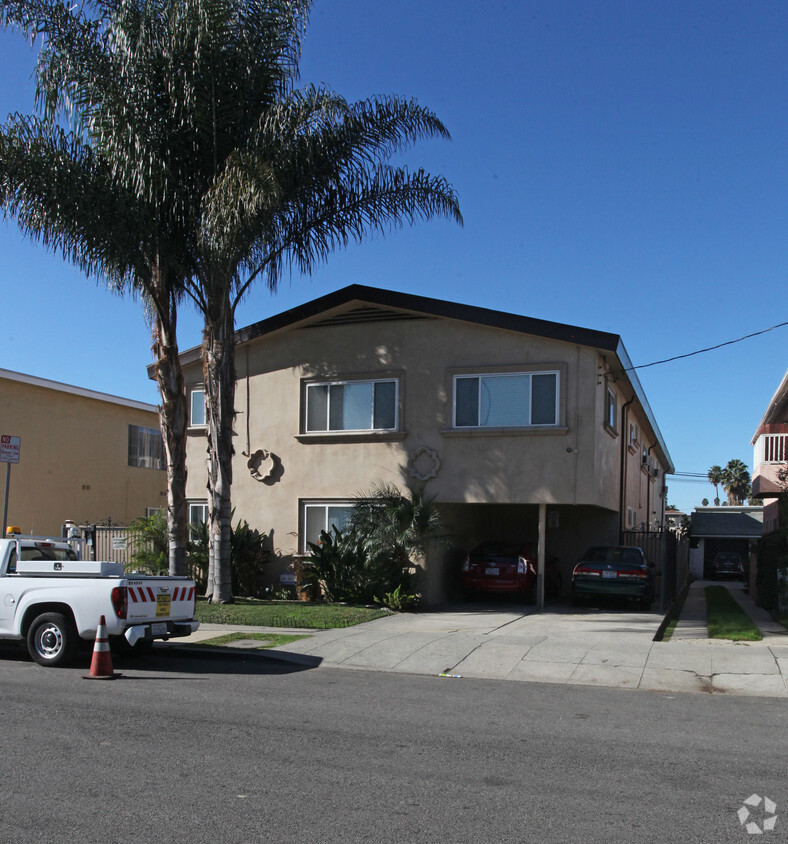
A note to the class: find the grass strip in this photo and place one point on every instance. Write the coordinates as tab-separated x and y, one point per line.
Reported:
726	619
267	640
298	614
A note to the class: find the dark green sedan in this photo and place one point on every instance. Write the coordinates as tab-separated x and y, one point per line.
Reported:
614	571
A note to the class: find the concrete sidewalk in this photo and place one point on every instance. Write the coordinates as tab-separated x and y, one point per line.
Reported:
596	647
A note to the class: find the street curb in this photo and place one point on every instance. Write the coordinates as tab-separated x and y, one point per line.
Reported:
194	651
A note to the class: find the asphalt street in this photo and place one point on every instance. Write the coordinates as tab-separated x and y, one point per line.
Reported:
203	749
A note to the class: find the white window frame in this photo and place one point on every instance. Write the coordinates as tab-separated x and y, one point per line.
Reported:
633	434
611	409
311	387
316	505
194	505
508	374
193	393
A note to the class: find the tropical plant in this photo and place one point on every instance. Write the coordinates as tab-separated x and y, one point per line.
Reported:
248	556
399	600
736	481
334	569
149	544
715	479
99	194
393	532
230	174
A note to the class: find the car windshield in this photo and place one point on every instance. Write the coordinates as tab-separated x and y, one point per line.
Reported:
727	558
612	554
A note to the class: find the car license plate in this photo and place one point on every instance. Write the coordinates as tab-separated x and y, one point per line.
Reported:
492	571
609	574
158	629
163	604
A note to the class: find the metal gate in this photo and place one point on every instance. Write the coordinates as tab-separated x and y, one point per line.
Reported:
670	554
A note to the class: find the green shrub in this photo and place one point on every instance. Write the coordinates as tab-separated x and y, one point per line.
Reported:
150	544
248	556
334	569
399	600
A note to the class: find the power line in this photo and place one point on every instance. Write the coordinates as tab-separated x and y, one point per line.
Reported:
709	349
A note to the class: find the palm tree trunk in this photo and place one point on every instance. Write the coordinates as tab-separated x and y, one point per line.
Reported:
173	422
218	353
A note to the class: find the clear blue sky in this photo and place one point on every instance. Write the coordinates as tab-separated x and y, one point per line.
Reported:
620	165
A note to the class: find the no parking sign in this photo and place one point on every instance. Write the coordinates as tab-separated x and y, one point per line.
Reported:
9	448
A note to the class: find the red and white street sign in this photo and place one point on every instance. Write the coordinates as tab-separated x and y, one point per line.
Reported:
9	448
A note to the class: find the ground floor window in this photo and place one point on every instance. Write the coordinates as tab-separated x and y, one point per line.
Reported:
198	512
317	516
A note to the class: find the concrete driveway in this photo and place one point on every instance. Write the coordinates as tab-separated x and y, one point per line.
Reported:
605	646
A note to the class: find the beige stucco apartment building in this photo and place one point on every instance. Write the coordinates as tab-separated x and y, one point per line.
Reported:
520	428
85	456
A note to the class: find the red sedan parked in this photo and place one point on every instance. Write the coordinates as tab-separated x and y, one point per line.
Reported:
502	567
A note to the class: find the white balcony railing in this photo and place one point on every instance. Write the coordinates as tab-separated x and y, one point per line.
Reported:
771	448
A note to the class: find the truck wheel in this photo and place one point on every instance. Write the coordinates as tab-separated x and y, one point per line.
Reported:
52	639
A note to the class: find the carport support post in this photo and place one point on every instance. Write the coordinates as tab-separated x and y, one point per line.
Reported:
540	555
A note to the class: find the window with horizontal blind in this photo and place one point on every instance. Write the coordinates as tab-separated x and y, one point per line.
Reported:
506	400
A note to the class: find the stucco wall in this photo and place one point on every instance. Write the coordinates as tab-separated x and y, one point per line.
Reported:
575	465
74	459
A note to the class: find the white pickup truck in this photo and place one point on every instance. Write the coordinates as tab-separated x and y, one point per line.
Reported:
50	598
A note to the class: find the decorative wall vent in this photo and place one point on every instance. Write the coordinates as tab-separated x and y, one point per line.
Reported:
264	466
424	464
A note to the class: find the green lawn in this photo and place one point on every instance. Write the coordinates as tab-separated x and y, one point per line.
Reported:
296	614
673	614
726	619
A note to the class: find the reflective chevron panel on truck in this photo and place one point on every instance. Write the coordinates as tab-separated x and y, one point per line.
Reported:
152	600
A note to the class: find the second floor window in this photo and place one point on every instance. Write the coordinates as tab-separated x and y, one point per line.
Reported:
352	406
146	448
197	409
506	400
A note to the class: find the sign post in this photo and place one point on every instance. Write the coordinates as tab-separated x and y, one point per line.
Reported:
10	447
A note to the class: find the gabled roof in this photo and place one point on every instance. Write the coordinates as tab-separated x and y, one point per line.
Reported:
46	384
746	522
777	409
359	303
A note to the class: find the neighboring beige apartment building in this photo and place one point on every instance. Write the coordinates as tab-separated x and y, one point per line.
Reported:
520	428
85	456
771	455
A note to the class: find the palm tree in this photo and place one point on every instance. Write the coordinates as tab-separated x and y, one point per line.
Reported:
281	177
715	479
736	481
393	530
192	107
81	194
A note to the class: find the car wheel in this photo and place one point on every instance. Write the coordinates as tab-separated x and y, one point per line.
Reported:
52	639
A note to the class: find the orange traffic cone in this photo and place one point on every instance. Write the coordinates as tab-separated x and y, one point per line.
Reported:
101	664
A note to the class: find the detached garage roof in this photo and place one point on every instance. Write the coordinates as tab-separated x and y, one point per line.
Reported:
733	522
